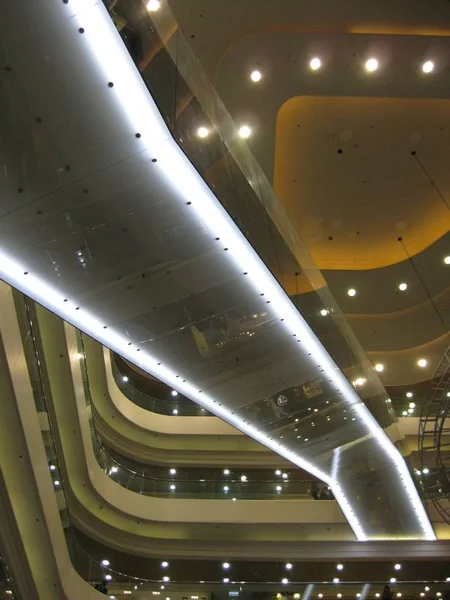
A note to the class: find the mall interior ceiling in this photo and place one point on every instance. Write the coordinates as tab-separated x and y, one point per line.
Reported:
224	299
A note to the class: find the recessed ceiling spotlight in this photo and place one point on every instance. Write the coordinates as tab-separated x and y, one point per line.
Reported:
278	488
403	286
166	578
338	595
351	292
153	5
315	63
379	367
285	475
164	564
399	594
225	580
278	472
243	477
336	580
108	577
173	471
245	131
392	580
339	567
173	487
174	393
412	405
320	595
256	76
377	595
422	363
409	394
447	260
285	580
426	471
225	565
428	66
397	566
202	132
288	566
105	563
422	594
324	312
405	413
125	378
426	588
226	471
175	411
371	65
410	411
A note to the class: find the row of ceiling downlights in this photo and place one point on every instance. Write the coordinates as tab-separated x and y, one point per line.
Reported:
371	65
226	566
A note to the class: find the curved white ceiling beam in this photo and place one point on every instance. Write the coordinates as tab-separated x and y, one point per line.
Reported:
169	194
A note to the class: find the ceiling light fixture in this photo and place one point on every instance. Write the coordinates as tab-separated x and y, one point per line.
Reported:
422	363
339	567
379	367
244	478
428	66
351	292
403	286
175	411
371	65
315	63
202	132
285	580
105	562
225	565
164	564
256	76
140	110
392	580
125	378
397	566
173	471
245	131
447	260
288	566
409	394
226	471
412	405
174	393
153	5
336	580
324	312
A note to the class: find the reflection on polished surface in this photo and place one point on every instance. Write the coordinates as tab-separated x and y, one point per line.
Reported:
113	229
151	394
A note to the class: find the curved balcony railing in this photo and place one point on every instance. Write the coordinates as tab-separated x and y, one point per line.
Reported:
122	572
144	479
434	439
141	392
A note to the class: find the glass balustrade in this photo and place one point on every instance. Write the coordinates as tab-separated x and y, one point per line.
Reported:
140	392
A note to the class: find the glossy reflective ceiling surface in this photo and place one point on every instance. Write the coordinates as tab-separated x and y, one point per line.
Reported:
105	222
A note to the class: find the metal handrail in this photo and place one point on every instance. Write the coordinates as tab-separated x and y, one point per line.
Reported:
432	426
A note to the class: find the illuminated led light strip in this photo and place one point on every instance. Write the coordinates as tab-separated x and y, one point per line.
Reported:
144	117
